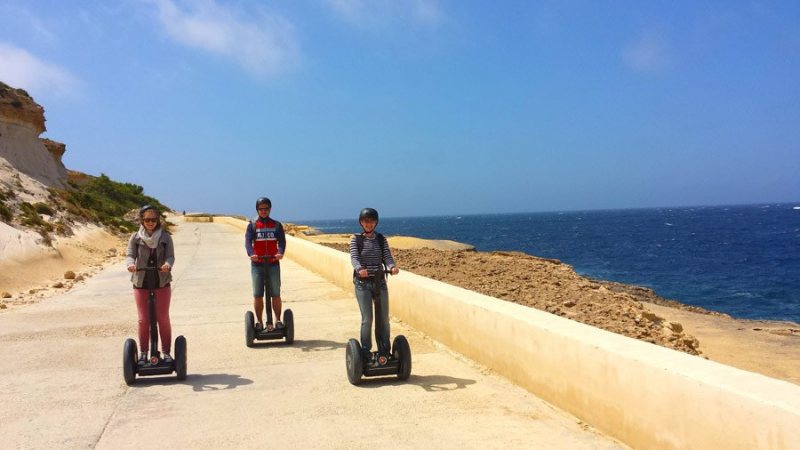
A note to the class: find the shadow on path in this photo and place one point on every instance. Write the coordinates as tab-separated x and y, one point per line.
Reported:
199	383
431	383
319	345
268	343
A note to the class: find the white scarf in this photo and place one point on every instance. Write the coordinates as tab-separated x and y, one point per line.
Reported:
150	241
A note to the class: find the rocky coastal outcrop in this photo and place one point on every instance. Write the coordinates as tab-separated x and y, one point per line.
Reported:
21	150
18	108
53	219
56	149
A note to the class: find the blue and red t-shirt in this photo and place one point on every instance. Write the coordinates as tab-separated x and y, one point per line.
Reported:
265	238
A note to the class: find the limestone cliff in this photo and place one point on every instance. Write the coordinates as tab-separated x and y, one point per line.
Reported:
17	107
30	167
21	149
56	149
47	212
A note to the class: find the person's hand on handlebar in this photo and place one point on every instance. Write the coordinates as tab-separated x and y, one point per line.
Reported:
363	273
165	268
394	270
256	258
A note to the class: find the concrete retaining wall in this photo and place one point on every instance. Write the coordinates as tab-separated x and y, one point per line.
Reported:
644	395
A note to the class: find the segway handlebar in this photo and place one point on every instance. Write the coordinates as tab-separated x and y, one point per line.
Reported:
383	272
264	256
145	269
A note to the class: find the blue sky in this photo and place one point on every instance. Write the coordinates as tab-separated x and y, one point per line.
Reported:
418	107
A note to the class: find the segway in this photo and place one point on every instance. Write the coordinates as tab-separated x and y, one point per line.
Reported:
251	334
155	365
397	363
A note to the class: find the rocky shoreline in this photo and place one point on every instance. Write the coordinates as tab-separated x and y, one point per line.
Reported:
767	347
551	286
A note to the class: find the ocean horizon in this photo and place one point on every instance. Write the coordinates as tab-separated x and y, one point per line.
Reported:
742	260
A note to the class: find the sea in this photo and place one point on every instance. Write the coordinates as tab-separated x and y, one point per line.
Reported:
741	260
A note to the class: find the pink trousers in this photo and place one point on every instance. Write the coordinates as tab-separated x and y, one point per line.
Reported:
163	297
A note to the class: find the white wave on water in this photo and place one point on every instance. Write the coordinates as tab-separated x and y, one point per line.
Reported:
796	207
667	224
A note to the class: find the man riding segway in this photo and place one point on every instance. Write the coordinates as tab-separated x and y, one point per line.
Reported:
265	243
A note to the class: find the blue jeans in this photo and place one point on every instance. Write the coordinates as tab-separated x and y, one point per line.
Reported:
272	281
369	291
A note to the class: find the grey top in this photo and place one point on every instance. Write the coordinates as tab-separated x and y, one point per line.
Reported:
139	253
371	256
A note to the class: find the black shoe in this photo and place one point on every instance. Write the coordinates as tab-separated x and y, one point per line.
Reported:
259	327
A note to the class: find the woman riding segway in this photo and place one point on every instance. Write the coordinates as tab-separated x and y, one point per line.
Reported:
150	257
372	260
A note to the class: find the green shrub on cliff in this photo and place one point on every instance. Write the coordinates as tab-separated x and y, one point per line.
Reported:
86	198
101	199
5	213
43	208
29	217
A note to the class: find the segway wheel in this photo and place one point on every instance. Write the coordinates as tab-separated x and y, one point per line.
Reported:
288	323
129	361
402	352
180	357
355	365
249	328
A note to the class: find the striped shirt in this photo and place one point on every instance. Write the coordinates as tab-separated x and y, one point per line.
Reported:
370	257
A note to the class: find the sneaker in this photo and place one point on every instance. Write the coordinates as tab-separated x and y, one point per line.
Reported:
279	324
143	358
166	357
259	326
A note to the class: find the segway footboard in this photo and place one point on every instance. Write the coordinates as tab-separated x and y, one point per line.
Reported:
390	368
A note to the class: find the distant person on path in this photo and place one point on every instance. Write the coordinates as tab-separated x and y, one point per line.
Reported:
152	246
265	243
369	253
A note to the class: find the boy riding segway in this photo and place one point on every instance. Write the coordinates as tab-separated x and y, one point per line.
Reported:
265	243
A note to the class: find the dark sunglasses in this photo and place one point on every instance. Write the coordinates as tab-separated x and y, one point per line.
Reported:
150	220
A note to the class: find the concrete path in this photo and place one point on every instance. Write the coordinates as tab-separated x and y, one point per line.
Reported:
61	377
